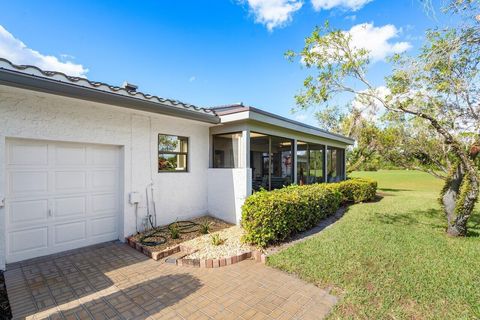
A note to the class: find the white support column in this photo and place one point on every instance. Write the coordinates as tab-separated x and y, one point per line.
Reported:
294	160
344	164
245	162
3	210
325	163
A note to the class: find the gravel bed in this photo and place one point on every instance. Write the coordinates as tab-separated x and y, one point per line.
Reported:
232	245
215	225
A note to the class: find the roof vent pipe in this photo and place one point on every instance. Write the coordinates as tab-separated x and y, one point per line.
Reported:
129	87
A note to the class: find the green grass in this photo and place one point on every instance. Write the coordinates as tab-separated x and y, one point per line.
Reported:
391	259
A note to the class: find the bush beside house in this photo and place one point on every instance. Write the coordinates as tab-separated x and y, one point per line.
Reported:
273	216
357	190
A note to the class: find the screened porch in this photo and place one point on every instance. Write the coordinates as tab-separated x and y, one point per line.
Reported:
277	161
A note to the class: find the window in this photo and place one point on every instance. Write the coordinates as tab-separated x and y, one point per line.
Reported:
271	160
310	163
172	153
335	168
226	148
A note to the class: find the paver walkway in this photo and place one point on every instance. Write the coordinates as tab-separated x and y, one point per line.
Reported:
114	281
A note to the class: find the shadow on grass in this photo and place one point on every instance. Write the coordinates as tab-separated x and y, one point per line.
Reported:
378	197
302	236
474	225
430	218
427	217
392	190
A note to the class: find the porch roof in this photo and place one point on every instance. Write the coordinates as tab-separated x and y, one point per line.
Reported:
239	112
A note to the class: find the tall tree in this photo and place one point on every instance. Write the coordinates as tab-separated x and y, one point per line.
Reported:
437	90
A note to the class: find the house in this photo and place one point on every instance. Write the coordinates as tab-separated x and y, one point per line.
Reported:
78	159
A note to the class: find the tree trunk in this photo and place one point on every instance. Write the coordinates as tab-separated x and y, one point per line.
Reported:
464	207
451	191
459	197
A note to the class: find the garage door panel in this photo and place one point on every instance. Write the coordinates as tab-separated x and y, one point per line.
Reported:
28	211
70	181
69	232
67	155
61	196
105	156
105	179
21	241
70	207
26	153
103	226
102	203
26	182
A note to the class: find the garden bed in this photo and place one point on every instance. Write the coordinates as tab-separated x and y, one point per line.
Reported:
184	235
232	245
194	248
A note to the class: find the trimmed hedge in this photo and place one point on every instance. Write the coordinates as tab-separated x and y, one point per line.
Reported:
358	190
273	216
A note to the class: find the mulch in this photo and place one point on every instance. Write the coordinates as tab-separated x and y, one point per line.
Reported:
5	312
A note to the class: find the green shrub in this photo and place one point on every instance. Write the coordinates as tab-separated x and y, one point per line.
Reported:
216	240
174	231
205	227
273	216
358	190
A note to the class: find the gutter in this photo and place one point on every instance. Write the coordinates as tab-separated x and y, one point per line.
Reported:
26	81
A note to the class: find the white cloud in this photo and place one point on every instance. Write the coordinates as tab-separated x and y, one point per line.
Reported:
345	4
273	13
377	40
370	108
305	117
17	52
351	17
301	117
192	78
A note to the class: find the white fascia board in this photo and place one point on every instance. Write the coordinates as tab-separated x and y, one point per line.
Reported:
278	122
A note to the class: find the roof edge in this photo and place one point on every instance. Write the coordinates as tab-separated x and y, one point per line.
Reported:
232	109
34	82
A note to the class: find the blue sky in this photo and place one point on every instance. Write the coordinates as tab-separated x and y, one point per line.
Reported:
206	53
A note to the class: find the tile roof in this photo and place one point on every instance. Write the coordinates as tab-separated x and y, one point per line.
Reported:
79	81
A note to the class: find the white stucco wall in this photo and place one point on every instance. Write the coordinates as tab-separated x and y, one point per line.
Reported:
227	191
31	115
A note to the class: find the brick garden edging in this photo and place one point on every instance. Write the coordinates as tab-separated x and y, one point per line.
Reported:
199	263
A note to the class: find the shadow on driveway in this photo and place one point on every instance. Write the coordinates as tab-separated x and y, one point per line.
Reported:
100	282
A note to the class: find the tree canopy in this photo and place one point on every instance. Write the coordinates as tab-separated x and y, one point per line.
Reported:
430	118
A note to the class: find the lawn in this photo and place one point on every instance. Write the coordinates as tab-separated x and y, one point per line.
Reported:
391	259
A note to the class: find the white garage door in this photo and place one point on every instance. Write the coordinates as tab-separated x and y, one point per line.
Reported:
60	196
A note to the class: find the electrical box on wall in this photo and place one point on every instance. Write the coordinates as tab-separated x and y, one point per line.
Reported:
134	197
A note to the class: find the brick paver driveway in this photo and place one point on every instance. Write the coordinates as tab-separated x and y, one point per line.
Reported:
113	281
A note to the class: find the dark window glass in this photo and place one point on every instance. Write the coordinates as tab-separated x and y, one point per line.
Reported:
281	162
310	162
335	168
271	160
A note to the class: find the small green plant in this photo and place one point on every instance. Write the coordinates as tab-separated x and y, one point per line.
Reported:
205	227
216	239
174	231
